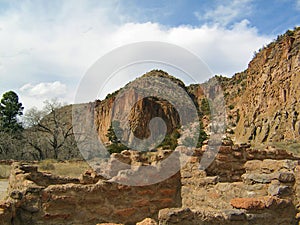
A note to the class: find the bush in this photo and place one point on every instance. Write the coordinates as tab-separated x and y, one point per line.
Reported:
170	141
47	164
202	137
116	148
231	107
205	108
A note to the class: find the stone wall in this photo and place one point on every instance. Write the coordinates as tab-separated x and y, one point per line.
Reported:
241	186
40	198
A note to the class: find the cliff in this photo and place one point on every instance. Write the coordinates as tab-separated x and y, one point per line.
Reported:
134	108
263	101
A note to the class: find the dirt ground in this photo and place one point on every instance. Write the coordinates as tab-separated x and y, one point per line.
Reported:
3	188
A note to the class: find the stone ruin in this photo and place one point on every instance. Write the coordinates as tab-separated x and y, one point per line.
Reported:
242	186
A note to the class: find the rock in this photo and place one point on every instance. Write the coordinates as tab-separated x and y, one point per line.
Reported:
109	224
286	177
258	203
278	190
147	221
235	215
28	168
259	177
15	194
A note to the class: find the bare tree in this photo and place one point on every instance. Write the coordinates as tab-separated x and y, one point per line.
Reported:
49	130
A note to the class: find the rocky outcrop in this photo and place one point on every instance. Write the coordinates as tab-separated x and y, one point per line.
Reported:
263	101
131	105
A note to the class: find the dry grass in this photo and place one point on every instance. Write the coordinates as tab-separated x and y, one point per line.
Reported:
67	168
293	147
4	171
3	188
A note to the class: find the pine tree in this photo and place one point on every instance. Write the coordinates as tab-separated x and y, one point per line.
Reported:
10	109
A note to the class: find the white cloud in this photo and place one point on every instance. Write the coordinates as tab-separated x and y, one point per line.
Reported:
39	44
54	89
34	95
298	4
227	12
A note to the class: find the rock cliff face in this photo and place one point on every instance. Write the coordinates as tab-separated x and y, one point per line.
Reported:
134	108
263	101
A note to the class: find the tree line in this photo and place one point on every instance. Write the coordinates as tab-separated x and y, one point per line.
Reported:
37	134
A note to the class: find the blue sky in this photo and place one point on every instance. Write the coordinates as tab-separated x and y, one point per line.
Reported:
46	47
270	17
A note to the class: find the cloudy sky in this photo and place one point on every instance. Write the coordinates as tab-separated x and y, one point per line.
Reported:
46	47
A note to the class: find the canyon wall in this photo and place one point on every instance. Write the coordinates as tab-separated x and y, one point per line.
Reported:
263	101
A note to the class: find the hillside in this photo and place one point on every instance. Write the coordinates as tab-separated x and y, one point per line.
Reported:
262	103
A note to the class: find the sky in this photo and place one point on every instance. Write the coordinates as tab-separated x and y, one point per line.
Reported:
46	47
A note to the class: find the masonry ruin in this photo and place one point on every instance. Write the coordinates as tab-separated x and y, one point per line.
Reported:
242	186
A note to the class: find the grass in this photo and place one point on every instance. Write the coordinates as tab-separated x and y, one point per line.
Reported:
293	147
4	171
67	168
3	188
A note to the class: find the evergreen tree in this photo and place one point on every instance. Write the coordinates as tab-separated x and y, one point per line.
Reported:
114	131
10	109
113	134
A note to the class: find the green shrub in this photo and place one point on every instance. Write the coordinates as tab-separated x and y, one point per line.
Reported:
231	107
116	148
205	108
170	140
202	136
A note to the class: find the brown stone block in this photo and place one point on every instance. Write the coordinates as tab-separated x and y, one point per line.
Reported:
225	149
123	187
163	203
101	210
213	195
125	212
222	157
237	155
56	216
168	192
194	159
147	221
146	192
109	224
140	203
259	203
45	196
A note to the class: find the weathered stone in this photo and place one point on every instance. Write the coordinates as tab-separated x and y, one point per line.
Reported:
15	194
286	177
110	224
258	203
278	190
82	203
235	215
28	168
147	221
259	177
